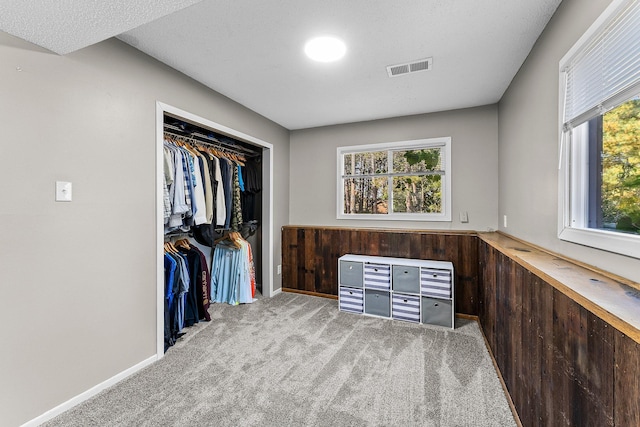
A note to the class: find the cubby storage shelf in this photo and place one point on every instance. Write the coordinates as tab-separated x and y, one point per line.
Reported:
411	290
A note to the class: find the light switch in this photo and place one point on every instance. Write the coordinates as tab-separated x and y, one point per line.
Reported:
464	217
63	191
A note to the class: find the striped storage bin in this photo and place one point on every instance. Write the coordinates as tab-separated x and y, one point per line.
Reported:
435	282
377	276
405	307
351	300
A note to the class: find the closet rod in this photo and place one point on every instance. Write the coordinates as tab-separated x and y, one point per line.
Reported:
174	234
207	140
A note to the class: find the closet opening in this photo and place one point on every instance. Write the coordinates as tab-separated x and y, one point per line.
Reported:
249	161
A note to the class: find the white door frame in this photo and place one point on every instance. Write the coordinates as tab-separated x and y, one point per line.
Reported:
267	206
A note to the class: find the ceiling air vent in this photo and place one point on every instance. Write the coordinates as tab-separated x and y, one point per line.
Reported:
410	67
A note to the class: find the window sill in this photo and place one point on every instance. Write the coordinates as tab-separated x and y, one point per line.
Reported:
619	243
397	217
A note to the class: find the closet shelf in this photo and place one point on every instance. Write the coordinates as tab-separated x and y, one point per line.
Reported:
201	138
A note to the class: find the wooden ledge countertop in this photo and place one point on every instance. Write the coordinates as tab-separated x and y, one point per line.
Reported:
381	230
614	300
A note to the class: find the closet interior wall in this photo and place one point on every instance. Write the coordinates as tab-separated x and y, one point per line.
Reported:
192	132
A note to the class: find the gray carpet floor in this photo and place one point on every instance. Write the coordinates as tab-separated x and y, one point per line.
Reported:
295	360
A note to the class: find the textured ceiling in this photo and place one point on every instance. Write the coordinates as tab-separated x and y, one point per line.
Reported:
65	26
252	50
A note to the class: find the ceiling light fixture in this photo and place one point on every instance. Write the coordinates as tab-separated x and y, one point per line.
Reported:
325	49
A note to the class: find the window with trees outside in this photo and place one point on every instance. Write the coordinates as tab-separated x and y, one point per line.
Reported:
600	135
406	180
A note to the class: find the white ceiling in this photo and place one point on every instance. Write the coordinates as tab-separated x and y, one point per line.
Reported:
252	50
64	26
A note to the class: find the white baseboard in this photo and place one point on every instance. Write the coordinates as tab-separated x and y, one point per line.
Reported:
89	393
276	292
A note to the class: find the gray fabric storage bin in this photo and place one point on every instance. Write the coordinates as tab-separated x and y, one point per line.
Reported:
406	279
437	312
351	274
377	303
351	300
405	307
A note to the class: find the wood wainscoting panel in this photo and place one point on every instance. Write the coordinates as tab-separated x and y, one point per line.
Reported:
583	373
556	357
627	384
487	292
310	256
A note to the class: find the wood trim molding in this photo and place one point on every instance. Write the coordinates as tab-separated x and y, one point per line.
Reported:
468	317
313	294
382	230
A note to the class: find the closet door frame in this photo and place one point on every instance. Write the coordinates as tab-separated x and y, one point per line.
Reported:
267	206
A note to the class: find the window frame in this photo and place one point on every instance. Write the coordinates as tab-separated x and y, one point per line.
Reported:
418	144
573	180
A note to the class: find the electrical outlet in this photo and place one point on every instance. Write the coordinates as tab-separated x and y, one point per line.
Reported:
279	269
504	221
464	217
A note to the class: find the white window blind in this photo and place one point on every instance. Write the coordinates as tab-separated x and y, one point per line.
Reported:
605	70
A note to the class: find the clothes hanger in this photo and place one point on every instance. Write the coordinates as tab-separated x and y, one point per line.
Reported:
193	146
229	236
215	152
184	243
237	237
168	247
234	157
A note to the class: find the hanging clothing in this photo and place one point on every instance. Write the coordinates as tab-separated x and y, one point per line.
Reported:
187	290
198	302
176	284
199	207
252	272
240	180
178	190
252	186
191	314
190	199
231	275
170	267
227	183
208	189
236	220
204	185
221	207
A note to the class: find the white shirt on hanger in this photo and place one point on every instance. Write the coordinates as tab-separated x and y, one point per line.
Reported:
221	208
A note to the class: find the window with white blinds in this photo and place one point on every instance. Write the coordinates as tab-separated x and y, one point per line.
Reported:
603	69
599	178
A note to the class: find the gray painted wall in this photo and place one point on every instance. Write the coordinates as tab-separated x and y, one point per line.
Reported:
78	279
474	146
528	134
